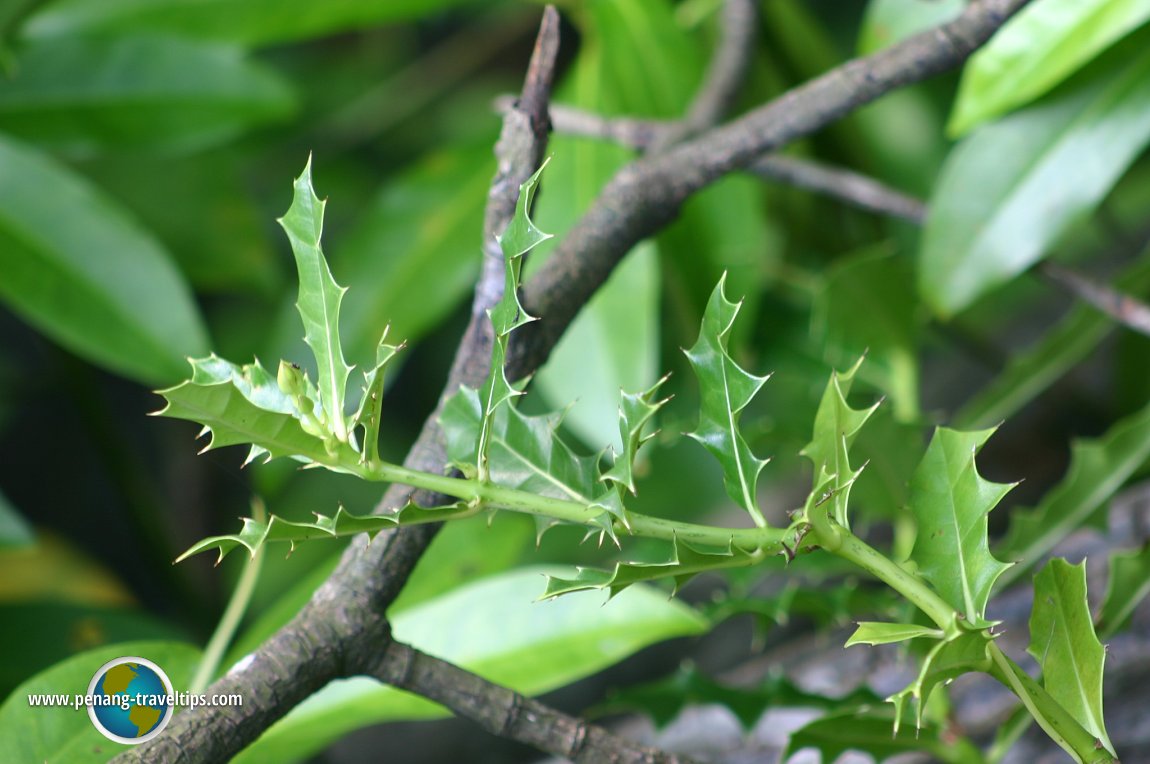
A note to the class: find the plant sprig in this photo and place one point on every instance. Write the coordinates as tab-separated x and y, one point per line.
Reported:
517	462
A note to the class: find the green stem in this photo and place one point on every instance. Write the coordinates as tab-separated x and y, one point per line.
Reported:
572	511
1047	712
850	547
1050	715
233	614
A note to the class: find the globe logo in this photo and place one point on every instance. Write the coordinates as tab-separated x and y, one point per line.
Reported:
132	700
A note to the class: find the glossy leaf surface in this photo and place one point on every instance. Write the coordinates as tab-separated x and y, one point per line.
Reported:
950	502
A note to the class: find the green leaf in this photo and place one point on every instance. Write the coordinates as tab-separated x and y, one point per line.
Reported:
889	21
1063	642
878	633
836	425
256	533
950	502
947	660
319	299
254	22
62	733
524	452
520	237
664	699
367	415
635	411
1098	468
53	630
1128	585
137	93
242	405
725	389
14	530
79	270
1036	50
613	342
684	563
880	287
490	627
1032	185
869	729
1030	373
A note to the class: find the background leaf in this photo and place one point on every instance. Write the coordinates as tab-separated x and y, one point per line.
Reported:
258	22
869	730
1098	468
76	267
65	734
889	21
1127	586
1037	49
1008	192
14	530
136	94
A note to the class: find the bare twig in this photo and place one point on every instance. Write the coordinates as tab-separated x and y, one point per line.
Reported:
508	714
647	194
715	98
874	196
342	630
856	189
1126	310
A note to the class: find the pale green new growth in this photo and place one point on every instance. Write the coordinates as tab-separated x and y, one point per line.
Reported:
520	237
836	425
319	299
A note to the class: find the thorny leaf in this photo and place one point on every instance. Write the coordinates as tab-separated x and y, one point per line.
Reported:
684	563
319	299
950	502
256	533
725	389
836	425
1063	642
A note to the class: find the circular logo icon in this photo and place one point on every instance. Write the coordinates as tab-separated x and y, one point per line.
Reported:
131	700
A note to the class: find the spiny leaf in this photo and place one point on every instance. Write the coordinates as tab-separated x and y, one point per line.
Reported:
946	660
725	389
836	425
869	729
879	633
685	562
663	699
520	237
242	405
319	299
525	452
367	416
1063	642
1098	468
256	533
635	411
950	501
1129	584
